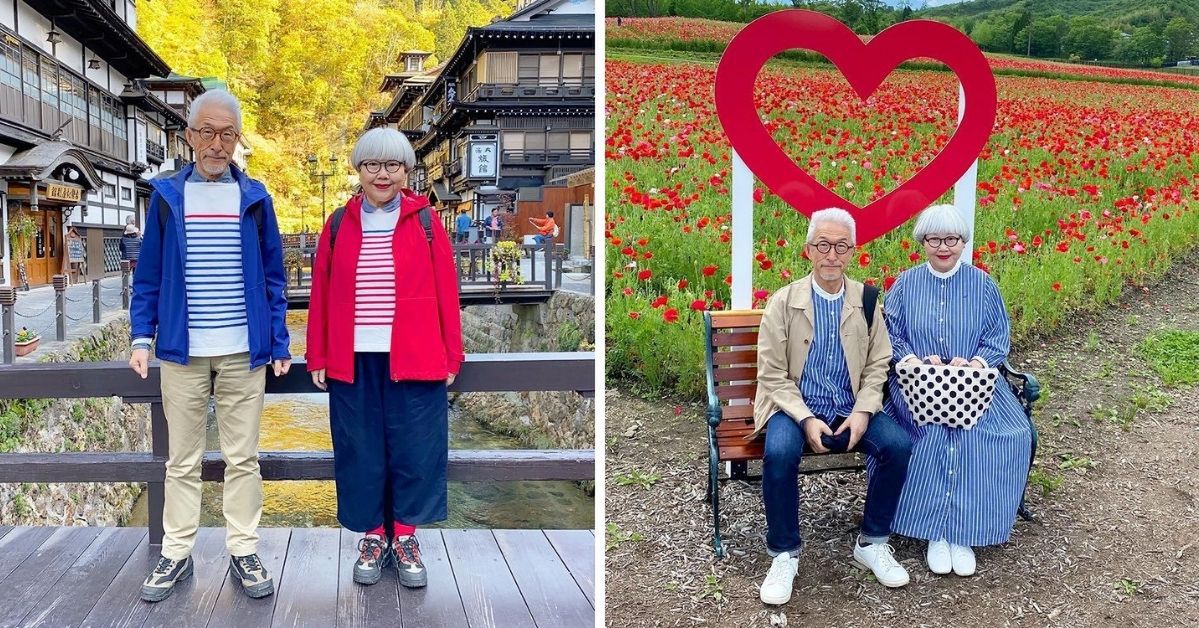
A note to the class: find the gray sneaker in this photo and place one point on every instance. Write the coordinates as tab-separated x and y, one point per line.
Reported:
161	581
372	556
408	562
254	578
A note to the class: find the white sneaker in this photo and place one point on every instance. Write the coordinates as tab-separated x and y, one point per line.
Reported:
880	559
938	558
963	560
776	588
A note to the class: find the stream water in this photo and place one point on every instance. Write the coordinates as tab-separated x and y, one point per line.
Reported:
301	422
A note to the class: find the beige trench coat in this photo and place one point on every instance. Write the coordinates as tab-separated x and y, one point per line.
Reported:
785	336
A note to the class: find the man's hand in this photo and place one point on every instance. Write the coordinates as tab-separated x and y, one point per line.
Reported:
139	361
856	424
449	379
318	379
957	362
813	428
282	366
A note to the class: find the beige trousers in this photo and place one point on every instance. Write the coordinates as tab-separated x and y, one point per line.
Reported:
239	397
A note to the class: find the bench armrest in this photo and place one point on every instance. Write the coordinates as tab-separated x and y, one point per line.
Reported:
1028	388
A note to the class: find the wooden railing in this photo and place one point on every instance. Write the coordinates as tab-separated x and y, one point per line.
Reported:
498	372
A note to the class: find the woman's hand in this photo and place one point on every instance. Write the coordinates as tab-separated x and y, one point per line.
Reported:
976	363
318	379
912	360
957	362
934	359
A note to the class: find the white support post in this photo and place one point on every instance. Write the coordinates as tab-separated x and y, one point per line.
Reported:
965	190
742	268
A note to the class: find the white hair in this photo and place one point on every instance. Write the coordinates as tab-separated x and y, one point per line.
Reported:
216	98
836	216
383	144
941	219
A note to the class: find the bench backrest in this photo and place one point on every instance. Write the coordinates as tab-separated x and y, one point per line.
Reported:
732	371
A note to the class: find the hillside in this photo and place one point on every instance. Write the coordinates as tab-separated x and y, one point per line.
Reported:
1129	13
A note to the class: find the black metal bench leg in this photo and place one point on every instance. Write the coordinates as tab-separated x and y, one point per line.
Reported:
714	493
1023	511
739	470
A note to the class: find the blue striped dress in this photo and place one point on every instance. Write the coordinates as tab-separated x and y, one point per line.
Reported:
963	486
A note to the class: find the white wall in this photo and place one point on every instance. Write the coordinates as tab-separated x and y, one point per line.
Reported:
130	14
6	12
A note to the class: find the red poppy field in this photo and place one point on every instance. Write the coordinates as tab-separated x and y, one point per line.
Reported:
1085	188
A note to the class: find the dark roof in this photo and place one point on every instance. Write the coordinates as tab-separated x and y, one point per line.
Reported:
189	84
97	26
41	160
546	23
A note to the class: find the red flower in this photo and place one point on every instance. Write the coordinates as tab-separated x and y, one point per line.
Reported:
709	270
758	194
671	315
718	305
634	315
914	257
864	260
760	295
1057	287
645	274
888	281
683	284
658	302
766	264
699	305
628	292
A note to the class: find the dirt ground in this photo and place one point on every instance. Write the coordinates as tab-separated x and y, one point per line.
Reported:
1115	542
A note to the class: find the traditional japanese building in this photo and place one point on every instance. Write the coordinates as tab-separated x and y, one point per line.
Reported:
506	118
78	134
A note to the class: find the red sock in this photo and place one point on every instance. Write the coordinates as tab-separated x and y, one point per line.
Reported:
403	530
380	532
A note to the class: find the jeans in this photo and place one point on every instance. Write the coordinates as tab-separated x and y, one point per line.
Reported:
884	441
540	239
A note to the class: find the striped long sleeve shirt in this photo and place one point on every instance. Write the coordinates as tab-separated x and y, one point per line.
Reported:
375	301
825	384
216	299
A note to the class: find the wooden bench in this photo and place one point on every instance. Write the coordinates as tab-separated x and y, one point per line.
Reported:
731	342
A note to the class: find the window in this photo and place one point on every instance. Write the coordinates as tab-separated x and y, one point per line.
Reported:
126	194
514	140
572	69
580	141
549	69
414	64
110	190
558	140
535	141
589	66
527	68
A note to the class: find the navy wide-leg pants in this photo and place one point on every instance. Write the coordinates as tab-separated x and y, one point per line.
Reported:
390	447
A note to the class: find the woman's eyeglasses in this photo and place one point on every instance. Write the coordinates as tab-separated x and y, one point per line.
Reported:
374	166
949	241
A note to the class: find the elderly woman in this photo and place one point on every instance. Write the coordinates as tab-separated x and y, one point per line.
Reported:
385	339
964	486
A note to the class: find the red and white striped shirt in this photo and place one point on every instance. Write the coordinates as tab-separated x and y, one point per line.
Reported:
374	309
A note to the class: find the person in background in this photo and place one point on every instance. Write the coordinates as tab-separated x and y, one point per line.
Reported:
494	226
547	229
385	339
462	226
130	244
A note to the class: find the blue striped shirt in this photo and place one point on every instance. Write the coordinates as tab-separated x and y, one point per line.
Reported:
216	291
825	384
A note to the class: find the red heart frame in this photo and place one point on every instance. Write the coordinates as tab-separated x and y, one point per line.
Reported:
865	66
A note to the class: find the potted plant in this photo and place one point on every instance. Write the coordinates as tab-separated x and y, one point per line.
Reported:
26	342
505	264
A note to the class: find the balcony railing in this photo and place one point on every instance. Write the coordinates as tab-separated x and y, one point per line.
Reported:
155	152
533	91
583	156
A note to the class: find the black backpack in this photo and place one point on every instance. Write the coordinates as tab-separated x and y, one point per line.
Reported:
426	222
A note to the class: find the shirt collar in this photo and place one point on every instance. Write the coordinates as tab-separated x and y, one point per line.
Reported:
828	296
386	208
947	274
196	177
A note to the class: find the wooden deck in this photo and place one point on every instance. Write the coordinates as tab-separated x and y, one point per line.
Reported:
91	576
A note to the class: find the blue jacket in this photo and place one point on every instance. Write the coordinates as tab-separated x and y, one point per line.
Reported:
159	302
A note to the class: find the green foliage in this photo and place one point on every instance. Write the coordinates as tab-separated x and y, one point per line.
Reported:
1129	587
307	73
637	478
1174	355
570	337
616	536
1047	482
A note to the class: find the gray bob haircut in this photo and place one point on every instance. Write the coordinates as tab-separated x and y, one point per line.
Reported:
215	98
940	219
383	144
835	216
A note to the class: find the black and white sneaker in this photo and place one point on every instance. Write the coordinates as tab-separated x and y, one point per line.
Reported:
407	556
254	578
161	581
372	556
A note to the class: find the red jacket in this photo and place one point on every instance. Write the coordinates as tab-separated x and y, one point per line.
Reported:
426	337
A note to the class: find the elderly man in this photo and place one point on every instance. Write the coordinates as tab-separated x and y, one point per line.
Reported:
210	289
823	353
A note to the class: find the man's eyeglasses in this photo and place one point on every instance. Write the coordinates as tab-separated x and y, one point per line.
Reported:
824	247
228	136
374	166
949	241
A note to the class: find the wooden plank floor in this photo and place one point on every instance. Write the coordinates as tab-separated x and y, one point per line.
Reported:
81	576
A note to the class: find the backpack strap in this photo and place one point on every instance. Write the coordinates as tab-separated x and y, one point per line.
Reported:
869	301
425	214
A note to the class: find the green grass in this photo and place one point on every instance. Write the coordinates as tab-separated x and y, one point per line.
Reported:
637	478
1047	482
616	536
1174	356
